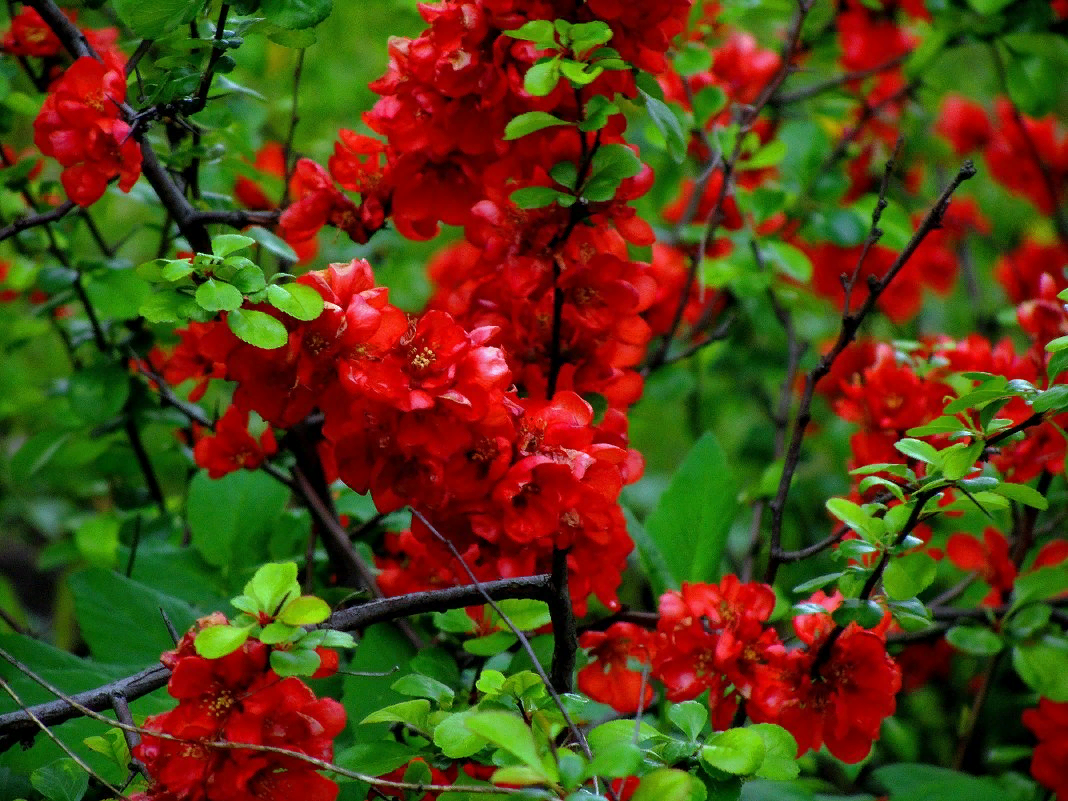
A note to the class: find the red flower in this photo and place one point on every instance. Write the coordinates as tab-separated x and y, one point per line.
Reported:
79	126
29	35
990	558
608	678
1049	722
231	447
841	702
964	123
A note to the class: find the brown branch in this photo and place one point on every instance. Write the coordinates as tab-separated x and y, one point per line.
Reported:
815	89
565	638
18	726
851	323
33	220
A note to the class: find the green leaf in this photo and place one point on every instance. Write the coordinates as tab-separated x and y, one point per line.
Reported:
615	760
530	122
62	780
272	243
1057	345
540	31
414	713
231	518
226	244
788	260
958	460
216	296
542	78
510	733
693	517
690	717
375	758
155	19
665	784
585	36
455	740
918	449
909	575
272	584
614	732
525	614
1040	585
736	751
296	300
491	644
297	662
780	753
598	109
117	294
579	74
112	745
913	782
535	197
109	607
296	14
454	621
97	394
306	610
768	156
709	102
275	633
1021	493
217	641
668	124
856	518
975	640
425	687
1044	667
942	425
867	614
97	539
1054	398
692	58
257	328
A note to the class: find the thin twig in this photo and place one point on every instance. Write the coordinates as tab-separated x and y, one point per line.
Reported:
715	217
33	220
287	150
225	745
812	90
1060	222
847	333
51	736
576	732
17	726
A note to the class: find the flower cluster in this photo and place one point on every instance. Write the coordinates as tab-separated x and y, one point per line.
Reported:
30	36
887	392
1049	722
420	412
835	689
1028	157
237	699
80	126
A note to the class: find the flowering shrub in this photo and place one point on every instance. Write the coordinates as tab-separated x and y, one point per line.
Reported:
665	351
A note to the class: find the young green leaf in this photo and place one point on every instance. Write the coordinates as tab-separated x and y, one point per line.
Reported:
257	328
